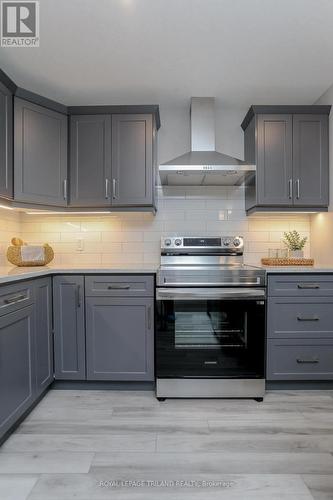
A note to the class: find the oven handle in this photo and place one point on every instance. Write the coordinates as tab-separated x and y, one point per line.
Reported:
209	293
219	283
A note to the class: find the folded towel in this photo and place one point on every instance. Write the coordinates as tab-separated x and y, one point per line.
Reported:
32	253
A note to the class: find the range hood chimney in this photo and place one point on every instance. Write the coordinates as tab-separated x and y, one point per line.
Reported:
203	165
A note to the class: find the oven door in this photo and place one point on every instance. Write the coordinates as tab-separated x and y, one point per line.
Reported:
210	333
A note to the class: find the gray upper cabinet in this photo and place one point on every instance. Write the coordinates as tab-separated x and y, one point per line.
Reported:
69	327
289	146
43	334
17	373
132	160
274	165
111	159
40	154
310	160
6	142
90	160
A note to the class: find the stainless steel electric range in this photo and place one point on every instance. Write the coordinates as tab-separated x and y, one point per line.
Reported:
210	320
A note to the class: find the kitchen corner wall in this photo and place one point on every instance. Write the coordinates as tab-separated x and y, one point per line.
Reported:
126	238
322	224
10	225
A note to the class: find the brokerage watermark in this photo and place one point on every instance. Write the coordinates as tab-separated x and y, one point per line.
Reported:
19	23
153	483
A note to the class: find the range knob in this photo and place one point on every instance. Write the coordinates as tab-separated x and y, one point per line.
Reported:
226	242
167	242
237	242
178	242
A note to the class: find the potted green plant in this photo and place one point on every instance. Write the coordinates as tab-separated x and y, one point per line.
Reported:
295	244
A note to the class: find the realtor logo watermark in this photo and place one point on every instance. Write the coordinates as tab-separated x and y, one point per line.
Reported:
20	23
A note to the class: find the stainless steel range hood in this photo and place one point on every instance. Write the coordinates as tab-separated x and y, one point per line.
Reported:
203	165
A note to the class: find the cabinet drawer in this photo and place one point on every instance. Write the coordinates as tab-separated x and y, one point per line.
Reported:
300	360
120	286
300	285
14	297
300	317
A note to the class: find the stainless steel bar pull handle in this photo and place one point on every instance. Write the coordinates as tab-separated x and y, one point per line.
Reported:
310	286
119	287
65	189
298	189
290	188
149	318
106	189
307	318
311	361
12	300
114	186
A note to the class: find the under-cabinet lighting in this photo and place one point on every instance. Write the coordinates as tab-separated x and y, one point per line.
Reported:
49	212
6	207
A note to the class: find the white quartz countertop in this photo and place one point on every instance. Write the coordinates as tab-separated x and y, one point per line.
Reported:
12	273
297	269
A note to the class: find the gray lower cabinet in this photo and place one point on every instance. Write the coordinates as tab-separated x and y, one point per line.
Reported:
43	334
118	285
300	327
132	160
17	365
26	353
40	154
300	317
6	142
69	327
120	338
298	285
300	360
90	160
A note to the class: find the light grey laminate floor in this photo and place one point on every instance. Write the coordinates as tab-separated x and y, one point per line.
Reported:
97	445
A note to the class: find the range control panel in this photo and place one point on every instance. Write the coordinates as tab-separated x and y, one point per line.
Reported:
235	243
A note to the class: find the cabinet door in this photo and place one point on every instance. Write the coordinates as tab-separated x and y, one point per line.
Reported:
6	142
17	376
69	332
120	343
90	165
40	154
274	160
43	334
132	160
310	160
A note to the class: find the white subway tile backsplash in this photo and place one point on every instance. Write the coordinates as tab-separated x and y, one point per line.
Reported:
188	204
152	236
133	238
85	235
206	192
132	248
179	227
224	227
121	258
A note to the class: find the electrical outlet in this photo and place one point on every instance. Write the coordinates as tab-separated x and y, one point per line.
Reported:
80	245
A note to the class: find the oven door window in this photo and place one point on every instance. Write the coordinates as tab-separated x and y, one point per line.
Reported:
210	338
209	328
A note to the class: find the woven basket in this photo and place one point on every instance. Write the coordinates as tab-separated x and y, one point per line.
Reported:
14	257
267	261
